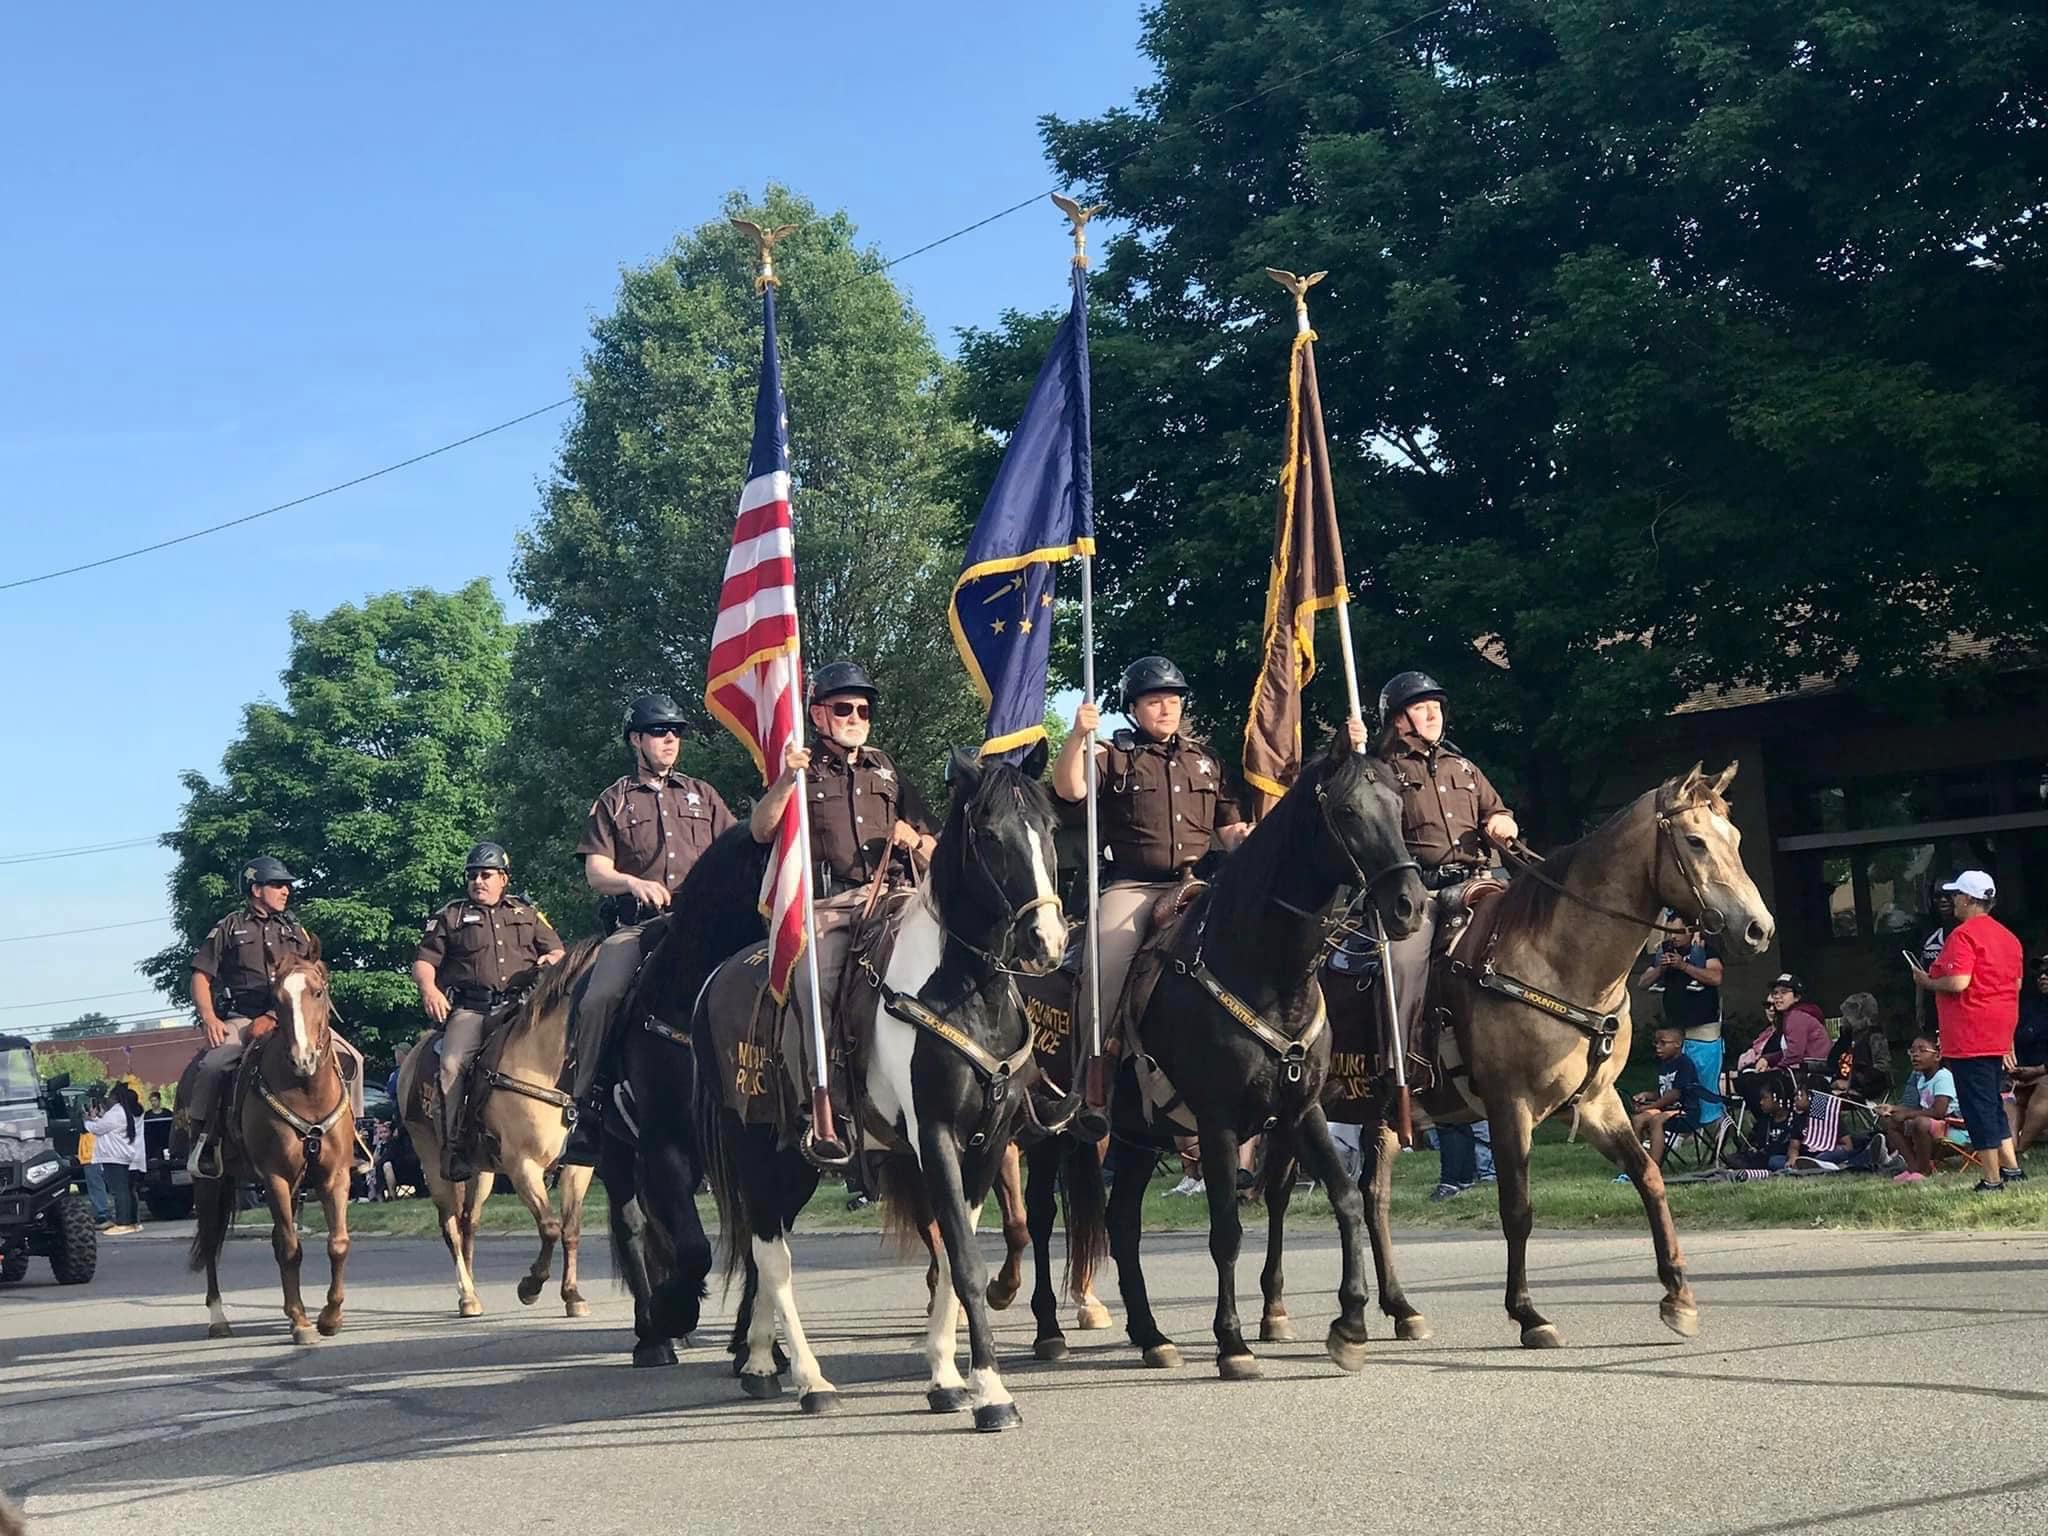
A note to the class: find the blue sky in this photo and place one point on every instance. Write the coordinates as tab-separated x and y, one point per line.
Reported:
249	251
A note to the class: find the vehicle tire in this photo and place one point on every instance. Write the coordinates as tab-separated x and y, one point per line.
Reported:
14	1263
78	1245
172	1205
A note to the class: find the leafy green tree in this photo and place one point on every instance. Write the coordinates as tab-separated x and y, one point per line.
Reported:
625	560
370	781
1664	344
82	1067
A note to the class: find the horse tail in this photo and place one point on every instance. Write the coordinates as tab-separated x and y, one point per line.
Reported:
213	1204
906	1207
714	1147
1087	1211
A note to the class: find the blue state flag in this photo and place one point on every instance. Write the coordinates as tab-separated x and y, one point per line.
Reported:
1040	511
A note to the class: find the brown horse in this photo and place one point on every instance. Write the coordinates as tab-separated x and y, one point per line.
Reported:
519	1108
1540	1012
289	1131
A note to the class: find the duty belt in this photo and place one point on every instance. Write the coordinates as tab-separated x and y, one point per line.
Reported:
476	999
1444	876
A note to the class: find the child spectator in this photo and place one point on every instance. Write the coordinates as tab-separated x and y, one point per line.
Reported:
1914	1126
1774	1136
1675	1105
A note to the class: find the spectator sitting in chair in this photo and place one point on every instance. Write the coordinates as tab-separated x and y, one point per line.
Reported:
1675	1106
1860	1065
1795	1032
1914	1126
2028	1108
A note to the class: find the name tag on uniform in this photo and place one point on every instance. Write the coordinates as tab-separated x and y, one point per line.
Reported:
472	917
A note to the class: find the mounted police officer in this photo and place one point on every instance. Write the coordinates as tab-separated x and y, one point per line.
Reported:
644	834
1163	804
865	817
231	973
468	955
1451	816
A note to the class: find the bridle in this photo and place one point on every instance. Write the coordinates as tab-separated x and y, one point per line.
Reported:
1712	919
1336	928
1003	957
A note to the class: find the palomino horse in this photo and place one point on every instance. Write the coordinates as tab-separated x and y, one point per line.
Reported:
1565	937
290	1129
945	1025
518	1106
1236	1024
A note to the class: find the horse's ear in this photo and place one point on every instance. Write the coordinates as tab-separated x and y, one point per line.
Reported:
1724	779
963	770
313	946
1033	766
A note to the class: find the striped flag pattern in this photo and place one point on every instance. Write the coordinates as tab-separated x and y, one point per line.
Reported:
755	681
1823	1122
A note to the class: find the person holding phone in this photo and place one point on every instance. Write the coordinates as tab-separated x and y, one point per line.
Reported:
1975	982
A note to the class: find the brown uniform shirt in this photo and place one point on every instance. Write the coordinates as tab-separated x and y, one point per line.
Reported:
655	834
472	945
854	806
1161	803
1445	800
242	951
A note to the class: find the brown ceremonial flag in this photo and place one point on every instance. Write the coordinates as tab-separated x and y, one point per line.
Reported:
1307	576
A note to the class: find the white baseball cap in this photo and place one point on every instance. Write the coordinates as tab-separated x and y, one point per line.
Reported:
1973	883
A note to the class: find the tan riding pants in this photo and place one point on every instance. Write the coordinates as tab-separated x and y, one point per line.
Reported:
602	994
460	1038
1126	910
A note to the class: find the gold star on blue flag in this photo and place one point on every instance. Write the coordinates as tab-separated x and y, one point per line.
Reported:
1040	511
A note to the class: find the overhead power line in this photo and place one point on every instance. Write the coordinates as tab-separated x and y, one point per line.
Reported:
65	933
72	853
93	997
1335	59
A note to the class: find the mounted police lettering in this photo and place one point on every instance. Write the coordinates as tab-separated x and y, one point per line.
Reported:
1051	1026
751	1078
1350	1075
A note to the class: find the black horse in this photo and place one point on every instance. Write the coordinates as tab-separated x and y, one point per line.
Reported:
948	1029
649	1158
1236	1024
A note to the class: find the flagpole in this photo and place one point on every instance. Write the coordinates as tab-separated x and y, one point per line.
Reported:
1096	1089
1404	1118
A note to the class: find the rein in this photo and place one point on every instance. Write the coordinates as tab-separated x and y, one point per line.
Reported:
1712	919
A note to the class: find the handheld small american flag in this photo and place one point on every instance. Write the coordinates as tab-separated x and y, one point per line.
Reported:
755	681
1823	1122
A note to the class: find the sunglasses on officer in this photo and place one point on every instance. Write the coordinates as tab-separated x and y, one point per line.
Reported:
661	730
849	709
273	885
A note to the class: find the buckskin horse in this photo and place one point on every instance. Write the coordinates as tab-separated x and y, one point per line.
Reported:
1235	1023
1537	994
942	1076
289	1129
517	1106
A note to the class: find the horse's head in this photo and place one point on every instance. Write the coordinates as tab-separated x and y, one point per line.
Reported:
1699	860
298	991
1362	843
995	877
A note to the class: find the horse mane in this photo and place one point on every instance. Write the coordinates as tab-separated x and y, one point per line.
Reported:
949	864
1249	873
556	981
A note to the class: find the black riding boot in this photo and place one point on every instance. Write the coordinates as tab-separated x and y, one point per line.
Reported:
456	1164
586	1135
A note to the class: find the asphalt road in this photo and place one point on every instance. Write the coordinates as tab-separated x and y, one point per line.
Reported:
1846	1382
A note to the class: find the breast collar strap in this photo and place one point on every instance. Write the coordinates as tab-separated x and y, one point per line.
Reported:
997	1073
1291	1049
1599	1029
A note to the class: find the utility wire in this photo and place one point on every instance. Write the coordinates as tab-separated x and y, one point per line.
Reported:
92	997
65	933
1345	57
72	853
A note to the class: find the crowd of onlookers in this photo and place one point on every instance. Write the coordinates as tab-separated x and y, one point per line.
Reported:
112	1157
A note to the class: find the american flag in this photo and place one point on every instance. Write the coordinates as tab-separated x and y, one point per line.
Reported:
1823	1121
755	681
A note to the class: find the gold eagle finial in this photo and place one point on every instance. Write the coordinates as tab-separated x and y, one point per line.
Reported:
764	244
1079	217
1299	287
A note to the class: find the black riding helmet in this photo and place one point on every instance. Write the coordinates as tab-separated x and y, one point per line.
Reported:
1405	688
486	856
843	677
650	710
264	870
1152	674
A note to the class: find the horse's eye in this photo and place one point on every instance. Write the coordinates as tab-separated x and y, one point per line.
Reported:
1696	841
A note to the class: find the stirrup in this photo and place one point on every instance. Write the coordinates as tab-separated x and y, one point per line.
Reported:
823	1154
195	1161
1058	1115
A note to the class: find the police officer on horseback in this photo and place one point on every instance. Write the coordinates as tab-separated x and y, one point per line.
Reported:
231	974
866	818
1451	816
646	831
1163	806
468	955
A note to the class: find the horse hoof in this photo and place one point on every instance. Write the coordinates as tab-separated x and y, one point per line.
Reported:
329	1326
819	1403
1238	1367
991	1417
576	1306
947	1399
761	1387
218	1331
1276	1330
1051	1347
1683	1321
1346	1354
1000	1296
529	1290
1542	1336
1091	1316
1164	1357
302	1333
469	1306
1413	1327
661	1352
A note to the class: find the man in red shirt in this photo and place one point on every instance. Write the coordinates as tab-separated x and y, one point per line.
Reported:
1976	986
